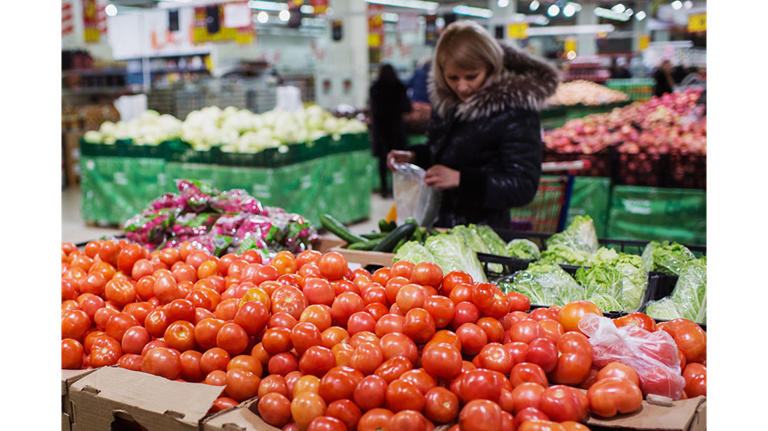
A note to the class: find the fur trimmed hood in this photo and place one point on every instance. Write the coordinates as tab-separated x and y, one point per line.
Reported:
526	82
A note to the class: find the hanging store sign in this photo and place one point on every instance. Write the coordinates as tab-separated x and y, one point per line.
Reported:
570	44
518	31
643	42
431	30
319	6
375	26
91	32
210	26
697	23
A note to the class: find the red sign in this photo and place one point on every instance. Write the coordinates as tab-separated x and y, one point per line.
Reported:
90	21
67	22
320	6
375	26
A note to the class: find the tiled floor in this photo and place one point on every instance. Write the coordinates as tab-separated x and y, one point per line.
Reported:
73	228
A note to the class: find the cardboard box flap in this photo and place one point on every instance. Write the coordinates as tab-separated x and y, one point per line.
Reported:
70	376
678	417
240	418
144	396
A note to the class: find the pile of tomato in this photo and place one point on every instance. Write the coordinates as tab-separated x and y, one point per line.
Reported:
327	348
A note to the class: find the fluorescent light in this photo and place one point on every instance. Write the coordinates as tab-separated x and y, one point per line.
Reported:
629	12
688	4
609	14
284	15
267	5
262	17
677	5
570	29
571	55
534	5
640	16
502	3
390	17
440	22
413	4
576	5
619	8
569	10
110	10
553	10
473	11
307	9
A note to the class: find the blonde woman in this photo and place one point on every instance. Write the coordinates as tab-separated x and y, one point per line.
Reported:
484	147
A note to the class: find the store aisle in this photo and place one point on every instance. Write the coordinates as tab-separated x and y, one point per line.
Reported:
73	228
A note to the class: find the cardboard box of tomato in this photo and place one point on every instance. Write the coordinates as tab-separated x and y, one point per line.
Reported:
682	415
116	398
68	377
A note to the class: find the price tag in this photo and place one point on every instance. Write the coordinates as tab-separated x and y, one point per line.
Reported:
518	31
697	23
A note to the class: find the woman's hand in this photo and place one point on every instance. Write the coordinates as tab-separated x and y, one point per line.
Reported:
398	156
441	177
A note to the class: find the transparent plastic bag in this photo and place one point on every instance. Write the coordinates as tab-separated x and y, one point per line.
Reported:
413	197
652	354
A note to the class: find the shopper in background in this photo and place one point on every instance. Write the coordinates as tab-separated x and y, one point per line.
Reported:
484	147
664	81
389	102
620	69
418	82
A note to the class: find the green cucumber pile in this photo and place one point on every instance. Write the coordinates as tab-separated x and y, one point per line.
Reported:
388	239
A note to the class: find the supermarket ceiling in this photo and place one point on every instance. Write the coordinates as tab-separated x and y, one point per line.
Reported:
665	10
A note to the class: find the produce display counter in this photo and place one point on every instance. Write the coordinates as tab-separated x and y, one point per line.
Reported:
326	176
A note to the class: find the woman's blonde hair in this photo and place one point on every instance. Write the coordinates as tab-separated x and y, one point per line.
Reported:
468	46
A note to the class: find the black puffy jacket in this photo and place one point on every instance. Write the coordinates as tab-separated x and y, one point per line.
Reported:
493	139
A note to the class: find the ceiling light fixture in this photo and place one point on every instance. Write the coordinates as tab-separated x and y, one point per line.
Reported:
473	11
553	10
677	5
534	5
262	17
640	16
284	15
609	14
569	10
413	4
267	5
502	3
110	10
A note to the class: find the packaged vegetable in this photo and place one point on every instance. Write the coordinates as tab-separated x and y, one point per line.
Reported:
544	283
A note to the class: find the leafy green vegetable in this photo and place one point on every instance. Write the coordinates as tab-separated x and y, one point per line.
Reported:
523	249
606	303
544	283
414	252
452	253
665	257
601	279
634	279
562	254
579	235
690	294
476	243
665	308
603	255
491	239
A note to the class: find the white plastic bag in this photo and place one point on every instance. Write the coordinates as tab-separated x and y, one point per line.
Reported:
413	197
653	355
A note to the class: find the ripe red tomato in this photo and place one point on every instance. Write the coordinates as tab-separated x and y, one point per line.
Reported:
571	314
641	320
392	369
129	361
427	273
552	329
442	360
419	325
480	415
526	372
118	324
397	344
525	331
120	291
527	395
72	354
366	358
319	291
275	409
464	312
690	339
190	366
370	393
617	369
441	405
613	395
345	305
496	357
697	386
134	340
305	335
361	322
480	384
538	425
241	384
216	378
334	335
317	360
518	302
542	352
530	413
273	384
346	411
339	383
453	279
305	407
375	420
490	300
472	338
326	423
575	360
74	324
333	265
163	362
180	335
402	395
564	403
283	363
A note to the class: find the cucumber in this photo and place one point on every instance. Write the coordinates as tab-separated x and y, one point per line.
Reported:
386	227
374	235
403	231
339	229
399	244
366	245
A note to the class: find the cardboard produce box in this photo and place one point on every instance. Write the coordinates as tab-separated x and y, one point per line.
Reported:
113	396
243	417
324	245
682	415
68	377
365	258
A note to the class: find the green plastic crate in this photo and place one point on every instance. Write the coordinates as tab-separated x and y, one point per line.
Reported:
268	158
97	150
312	150
126	148
358	141
338	144
181	152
